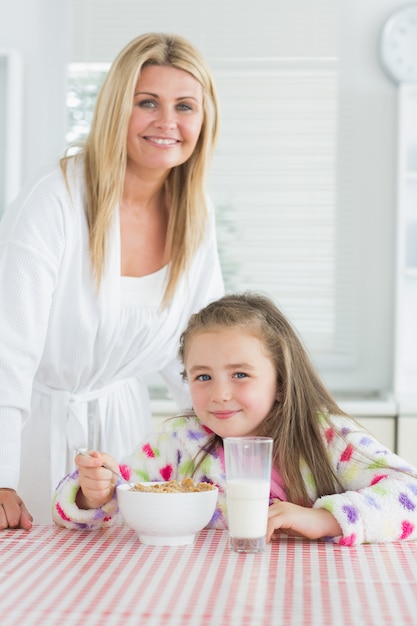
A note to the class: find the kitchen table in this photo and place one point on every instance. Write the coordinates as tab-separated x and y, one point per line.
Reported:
54	576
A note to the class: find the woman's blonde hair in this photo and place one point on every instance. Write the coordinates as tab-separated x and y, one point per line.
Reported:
294	421
105	152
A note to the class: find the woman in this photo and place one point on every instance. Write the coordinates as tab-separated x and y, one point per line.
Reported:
101	264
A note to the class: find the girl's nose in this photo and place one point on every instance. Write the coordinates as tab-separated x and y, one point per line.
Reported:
222	392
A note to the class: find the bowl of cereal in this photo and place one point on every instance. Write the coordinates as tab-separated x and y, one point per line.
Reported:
167	513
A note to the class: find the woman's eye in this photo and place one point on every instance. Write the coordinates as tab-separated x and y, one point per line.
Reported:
203	377
147	104
183	106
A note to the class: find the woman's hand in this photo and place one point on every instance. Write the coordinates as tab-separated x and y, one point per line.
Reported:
97	483
13	512
300	521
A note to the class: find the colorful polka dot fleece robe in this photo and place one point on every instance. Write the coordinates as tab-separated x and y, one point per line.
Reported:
377	502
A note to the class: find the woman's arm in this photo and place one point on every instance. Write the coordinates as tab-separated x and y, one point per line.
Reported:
32	243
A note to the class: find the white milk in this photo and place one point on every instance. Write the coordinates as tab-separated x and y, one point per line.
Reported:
247	507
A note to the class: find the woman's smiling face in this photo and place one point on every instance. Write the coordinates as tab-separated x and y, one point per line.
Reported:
232	380
166	118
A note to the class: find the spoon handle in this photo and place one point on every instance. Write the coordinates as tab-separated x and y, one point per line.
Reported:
84	453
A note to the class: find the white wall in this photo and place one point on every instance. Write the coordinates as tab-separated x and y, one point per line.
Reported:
40	32
367	181
243	28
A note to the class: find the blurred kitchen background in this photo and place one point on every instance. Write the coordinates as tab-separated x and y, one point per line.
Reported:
313	183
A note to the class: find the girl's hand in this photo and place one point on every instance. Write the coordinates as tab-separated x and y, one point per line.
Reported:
13	513
300	521
97	483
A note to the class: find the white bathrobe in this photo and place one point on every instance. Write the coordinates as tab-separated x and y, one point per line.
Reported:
72	360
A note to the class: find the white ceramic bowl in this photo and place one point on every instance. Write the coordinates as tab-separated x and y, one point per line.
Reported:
166	519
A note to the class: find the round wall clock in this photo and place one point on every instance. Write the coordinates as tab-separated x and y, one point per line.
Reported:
398	45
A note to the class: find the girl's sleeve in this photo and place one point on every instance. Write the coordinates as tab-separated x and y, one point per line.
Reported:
379	498
65	511
154	460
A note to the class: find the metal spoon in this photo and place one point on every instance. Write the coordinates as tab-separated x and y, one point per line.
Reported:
84	453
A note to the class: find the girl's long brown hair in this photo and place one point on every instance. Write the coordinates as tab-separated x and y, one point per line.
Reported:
294	421
105	152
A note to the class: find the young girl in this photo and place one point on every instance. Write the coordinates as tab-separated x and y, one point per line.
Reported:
249	374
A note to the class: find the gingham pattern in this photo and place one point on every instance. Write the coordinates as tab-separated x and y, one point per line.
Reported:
53	576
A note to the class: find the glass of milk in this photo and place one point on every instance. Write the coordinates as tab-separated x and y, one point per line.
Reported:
248	463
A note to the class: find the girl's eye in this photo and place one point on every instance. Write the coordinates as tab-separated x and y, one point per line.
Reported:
203	377
240	375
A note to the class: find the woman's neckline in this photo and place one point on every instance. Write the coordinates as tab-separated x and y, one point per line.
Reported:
155	274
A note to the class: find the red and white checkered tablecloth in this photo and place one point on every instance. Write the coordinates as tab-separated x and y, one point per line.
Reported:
52	576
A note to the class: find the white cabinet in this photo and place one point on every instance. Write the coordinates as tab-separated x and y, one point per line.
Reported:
407	438
382	428
394	425
407	429
378	416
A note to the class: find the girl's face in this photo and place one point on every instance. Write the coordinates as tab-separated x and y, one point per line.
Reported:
232	381
166	119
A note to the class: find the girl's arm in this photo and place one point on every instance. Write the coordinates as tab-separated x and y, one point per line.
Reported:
379	498
87	498
72	510
299	521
